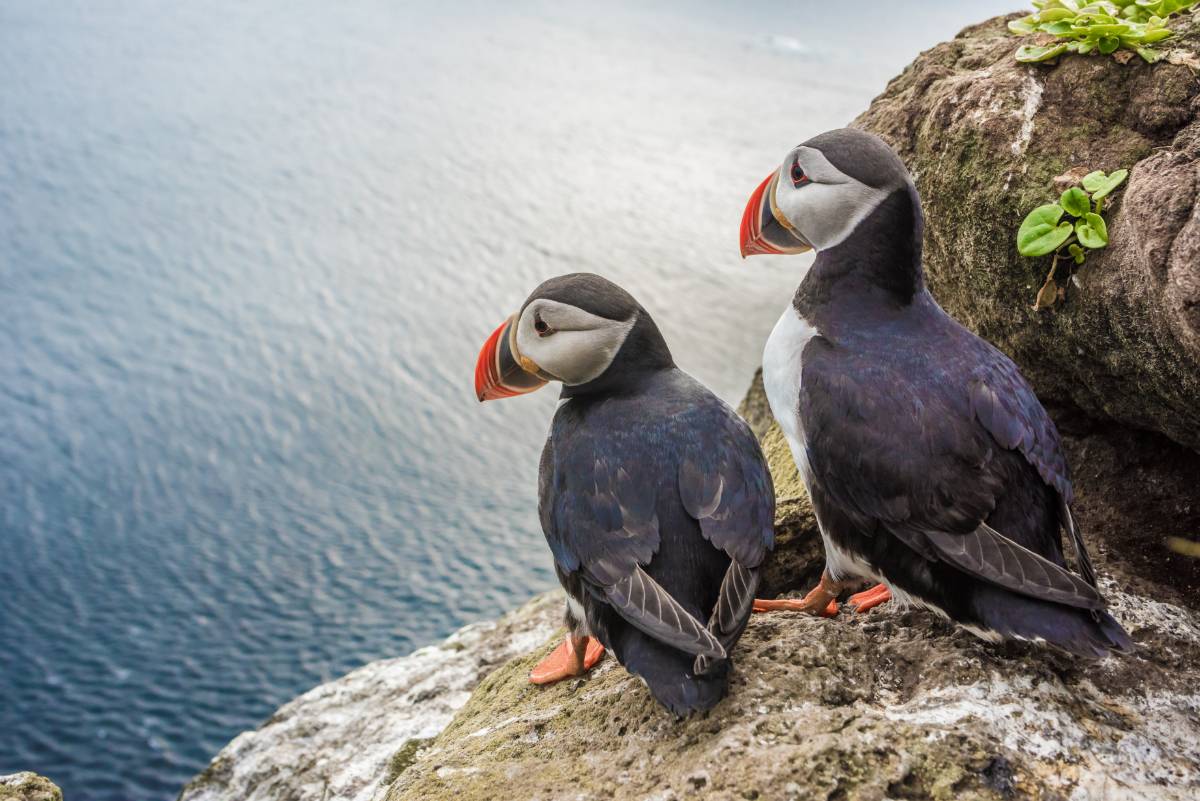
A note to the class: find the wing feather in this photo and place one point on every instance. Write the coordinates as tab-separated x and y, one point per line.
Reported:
732	610
645	604
987	554
724	483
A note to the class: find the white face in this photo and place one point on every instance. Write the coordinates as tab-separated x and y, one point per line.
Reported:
820	202
572	345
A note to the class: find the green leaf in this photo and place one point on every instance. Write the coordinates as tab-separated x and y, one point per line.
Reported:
1029	54
1156	35
1060	28
1148	54
1092	231
1118	29
1076	253
1022	26
1108	44
1109	183
1094	180
1038	234
1054	14
1075	201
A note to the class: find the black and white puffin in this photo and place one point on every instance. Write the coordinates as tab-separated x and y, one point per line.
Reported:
653	494
931	464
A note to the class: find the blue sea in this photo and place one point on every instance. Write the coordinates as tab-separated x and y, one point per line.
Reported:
248	254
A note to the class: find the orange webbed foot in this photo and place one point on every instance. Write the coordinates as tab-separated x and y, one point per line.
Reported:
795	605
869	599
574	657
821	600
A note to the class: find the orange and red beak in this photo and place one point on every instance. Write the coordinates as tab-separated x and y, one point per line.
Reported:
765	230
499	372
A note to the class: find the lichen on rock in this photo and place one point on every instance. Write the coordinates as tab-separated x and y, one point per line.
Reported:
28	786
892	704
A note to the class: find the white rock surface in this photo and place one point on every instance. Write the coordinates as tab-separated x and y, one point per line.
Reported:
337	740
27	786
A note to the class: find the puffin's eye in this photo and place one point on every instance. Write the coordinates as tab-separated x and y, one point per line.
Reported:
799	179
541	327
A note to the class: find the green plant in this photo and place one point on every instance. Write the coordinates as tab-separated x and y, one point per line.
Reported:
1100	26
1068	229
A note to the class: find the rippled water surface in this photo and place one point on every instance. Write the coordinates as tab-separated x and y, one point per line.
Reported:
248	252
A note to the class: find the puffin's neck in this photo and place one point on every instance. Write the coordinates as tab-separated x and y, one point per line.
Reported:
880	261
643	353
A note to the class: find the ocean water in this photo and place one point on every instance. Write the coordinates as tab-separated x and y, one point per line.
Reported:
248	253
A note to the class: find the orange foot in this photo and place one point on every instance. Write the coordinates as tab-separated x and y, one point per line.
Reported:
822	600
576	656
869	599
793	605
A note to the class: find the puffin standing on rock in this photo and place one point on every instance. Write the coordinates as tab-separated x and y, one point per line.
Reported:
653	494
931	465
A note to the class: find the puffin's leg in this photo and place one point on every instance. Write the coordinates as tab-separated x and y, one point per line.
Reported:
869	599
576	656
821	600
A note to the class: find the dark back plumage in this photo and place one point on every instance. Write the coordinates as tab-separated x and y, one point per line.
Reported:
655	498
931	457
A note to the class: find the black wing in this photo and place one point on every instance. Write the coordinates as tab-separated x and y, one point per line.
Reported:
1003	401
919	457
725	485
599	515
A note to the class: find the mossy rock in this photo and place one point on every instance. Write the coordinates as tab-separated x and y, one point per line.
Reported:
986	137
893	704
28	786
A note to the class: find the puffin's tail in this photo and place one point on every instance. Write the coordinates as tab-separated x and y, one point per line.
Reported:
668	674
1089	633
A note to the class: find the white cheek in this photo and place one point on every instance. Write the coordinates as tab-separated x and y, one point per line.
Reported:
827	213
574	356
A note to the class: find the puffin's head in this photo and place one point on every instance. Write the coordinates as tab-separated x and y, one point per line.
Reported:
822	191
571	329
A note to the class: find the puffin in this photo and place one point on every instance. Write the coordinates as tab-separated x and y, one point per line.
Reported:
653	494
932	467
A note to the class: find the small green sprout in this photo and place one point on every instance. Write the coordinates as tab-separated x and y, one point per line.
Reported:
1068	229
1110	27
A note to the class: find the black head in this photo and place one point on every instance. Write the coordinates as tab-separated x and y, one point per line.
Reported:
843	190
579	329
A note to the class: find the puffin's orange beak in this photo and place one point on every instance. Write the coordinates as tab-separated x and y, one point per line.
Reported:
498	372
764	230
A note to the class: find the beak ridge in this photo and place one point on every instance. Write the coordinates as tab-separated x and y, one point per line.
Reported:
498	373
762	233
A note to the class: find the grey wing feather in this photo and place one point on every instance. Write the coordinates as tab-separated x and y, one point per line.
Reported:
732	609
989	555
725	485
644	603
1081	554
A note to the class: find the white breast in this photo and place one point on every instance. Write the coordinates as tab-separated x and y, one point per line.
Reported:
783	361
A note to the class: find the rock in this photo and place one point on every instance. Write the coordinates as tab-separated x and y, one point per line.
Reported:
986	137
27	786
892	704
351	737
